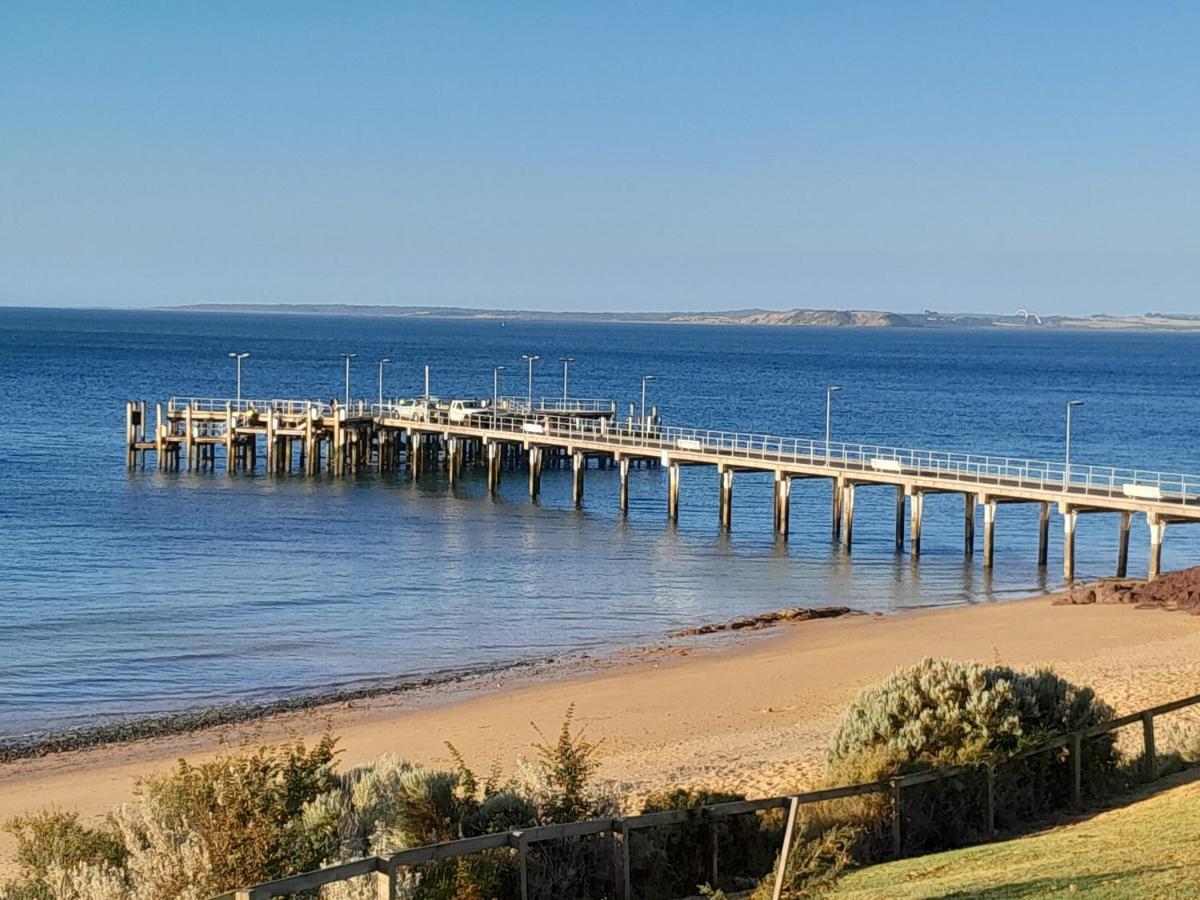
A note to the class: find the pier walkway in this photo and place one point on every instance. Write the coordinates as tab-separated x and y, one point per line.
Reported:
308	437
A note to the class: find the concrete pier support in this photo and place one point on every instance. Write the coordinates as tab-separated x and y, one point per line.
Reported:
230	434
989	533
1158	531
970	500
1070	520
901	512
917	501
848	516
1123	544
578	464
158	435
623	467
452	453
1044	535
188	440
725	505
535	472
312	456
838	485
271	448
673	492
493	467
783	504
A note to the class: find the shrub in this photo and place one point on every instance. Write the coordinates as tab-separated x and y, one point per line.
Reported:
944	713
566	768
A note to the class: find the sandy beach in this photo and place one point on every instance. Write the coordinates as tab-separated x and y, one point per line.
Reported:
751	714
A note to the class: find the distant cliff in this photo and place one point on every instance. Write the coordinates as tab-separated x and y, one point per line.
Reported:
796	318
810	318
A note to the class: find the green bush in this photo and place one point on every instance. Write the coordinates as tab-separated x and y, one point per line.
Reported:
945	712
941	713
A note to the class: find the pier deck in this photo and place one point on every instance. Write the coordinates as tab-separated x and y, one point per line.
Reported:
309	437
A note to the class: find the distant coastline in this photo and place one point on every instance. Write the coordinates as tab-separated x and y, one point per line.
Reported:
796	318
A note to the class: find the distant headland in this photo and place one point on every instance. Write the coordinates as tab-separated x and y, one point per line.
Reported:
805	318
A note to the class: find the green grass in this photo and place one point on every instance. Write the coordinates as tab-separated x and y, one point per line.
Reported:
1147	849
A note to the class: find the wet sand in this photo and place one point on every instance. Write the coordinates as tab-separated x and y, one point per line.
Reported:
749	713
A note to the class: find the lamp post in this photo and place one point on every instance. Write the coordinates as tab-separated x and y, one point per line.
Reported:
239	356
530	360
386	359
1071	404
829	392
496	370
645	378
347	357
566	361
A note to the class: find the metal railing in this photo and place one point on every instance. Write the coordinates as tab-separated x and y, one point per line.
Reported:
979	470
559	404
386	869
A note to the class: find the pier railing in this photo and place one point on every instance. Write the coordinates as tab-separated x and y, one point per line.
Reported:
969	468
559	404
387	870
552	417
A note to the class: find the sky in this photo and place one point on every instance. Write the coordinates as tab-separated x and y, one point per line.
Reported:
605	156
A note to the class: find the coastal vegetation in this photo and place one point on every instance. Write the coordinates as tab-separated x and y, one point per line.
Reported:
262	813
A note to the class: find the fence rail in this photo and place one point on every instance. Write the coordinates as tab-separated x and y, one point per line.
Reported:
386	869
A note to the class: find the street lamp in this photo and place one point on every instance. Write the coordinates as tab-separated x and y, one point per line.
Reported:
530	359
239	356
645	378
829	392
1071	404
566	361
347	357
386	359
496	370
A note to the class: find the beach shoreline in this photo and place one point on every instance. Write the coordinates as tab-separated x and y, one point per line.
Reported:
749	711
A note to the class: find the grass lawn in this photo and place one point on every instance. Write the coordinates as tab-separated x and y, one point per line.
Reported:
1148	849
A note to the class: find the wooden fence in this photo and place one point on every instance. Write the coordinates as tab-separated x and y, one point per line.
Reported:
385	870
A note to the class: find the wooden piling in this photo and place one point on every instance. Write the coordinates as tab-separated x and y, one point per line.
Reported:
1044	535
917	500
1158	531
969	502
1070	520
1123	543
725	505
989	532
848	515
578	463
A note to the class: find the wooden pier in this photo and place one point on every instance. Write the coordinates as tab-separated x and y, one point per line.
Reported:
310	437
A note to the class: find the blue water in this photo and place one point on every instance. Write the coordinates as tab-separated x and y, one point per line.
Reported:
125	594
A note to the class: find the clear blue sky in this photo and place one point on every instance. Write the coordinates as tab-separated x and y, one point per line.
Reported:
606	156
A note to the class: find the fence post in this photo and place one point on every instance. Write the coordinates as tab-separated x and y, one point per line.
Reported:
991	800
781	871
1148	739
523	863
385	882
1077	769
897	836
713	832
626	881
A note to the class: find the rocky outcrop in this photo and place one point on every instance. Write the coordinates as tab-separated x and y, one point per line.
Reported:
1175	590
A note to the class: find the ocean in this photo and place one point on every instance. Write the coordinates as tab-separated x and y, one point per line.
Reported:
130	594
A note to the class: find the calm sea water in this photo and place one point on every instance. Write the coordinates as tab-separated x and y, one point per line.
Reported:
125	594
